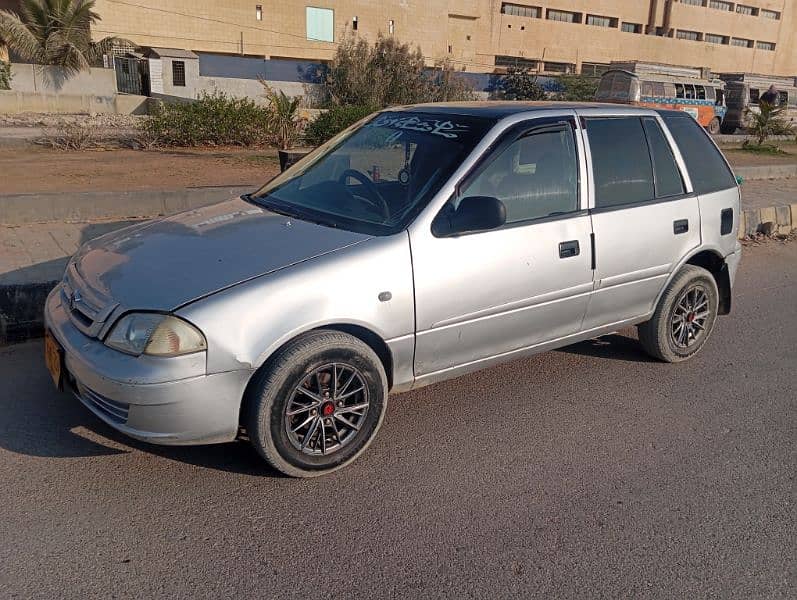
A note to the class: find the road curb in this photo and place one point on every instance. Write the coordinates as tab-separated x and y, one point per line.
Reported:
25	209
766	172
22	304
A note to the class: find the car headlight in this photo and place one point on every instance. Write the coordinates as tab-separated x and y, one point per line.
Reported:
155	335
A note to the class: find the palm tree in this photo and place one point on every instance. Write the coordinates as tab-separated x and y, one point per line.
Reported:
768	120
55	32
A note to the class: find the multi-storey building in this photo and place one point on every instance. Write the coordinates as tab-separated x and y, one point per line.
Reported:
551	35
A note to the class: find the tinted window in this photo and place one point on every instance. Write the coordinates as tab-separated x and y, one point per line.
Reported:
623	173
705	164
666	176
536	176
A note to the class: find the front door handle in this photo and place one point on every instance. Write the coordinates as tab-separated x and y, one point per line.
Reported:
680	226
568	249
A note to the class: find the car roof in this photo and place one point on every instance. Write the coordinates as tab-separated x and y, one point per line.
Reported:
498	109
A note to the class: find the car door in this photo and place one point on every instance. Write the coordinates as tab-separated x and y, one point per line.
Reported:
488	294
644	217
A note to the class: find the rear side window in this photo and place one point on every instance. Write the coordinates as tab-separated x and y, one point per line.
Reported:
666	176
621	163
707	169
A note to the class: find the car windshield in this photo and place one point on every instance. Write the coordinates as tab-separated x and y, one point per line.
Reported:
375	177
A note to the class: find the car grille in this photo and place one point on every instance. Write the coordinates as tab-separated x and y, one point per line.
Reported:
113	410
88	309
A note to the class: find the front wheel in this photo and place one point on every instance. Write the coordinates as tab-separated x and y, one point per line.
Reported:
318	404
684	316
714	126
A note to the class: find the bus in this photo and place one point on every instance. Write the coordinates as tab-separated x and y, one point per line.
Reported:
693	91
742	93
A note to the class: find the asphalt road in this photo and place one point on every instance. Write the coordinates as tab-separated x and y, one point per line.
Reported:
587	472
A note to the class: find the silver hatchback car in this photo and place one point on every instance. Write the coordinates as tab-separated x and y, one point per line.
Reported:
420	244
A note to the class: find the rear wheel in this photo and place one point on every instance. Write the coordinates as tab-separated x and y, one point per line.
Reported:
727	129
714	126
318	405
684	317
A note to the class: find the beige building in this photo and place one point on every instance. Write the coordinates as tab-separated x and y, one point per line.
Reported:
555	35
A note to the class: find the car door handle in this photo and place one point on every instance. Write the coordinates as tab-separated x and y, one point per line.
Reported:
568	249
680	226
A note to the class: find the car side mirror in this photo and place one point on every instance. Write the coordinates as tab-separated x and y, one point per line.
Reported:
474	214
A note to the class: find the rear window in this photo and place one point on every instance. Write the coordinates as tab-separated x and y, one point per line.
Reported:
707	168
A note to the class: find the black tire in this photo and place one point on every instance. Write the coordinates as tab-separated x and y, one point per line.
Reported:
714	126
657	336
727	129
270	395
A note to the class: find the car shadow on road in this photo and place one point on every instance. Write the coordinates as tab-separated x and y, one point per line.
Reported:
39	421
614	346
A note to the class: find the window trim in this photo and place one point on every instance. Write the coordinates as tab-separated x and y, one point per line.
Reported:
508	137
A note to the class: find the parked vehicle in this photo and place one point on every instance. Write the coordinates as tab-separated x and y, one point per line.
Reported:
743	91
664	86
421	244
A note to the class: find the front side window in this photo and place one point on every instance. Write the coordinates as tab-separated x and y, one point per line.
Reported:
375	178
623	173
536	176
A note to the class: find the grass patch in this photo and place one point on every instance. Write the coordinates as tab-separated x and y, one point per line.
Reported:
765	149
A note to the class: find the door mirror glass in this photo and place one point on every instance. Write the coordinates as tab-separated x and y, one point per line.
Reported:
473	214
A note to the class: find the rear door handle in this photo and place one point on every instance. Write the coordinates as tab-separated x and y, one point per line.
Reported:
680	226
568	249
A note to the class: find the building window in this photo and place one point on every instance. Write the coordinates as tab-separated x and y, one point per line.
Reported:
259	12
769	46
391	27
683	34
558	67
713	38
743	9
741	42
320	24
770	14
632	27
593	69
519	10
720	5
178	73
694	2
599	21
563	15
516	61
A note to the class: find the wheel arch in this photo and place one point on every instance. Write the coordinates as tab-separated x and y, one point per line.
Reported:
369	337
712	261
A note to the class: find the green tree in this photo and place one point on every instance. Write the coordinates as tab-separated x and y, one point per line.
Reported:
55	32
577	88
520	83
5	75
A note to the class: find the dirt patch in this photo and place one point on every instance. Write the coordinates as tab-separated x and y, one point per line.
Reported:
31	169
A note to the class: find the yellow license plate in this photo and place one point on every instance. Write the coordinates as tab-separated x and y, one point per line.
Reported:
53	358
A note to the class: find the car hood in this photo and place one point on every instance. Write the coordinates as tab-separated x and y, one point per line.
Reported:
164	264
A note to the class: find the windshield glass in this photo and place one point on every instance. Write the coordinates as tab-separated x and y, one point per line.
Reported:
375	178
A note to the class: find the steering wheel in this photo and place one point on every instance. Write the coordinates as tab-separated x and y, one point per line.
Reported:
382	205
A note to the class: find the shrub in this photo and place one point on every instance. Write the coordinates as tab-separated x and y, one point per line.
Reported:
285	125
69	136
333	121
767	121
519	83
577	88
388	73
214	119
5	75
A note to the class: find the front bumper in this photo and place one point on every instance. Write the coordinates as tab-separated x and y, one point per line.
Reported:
169	401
